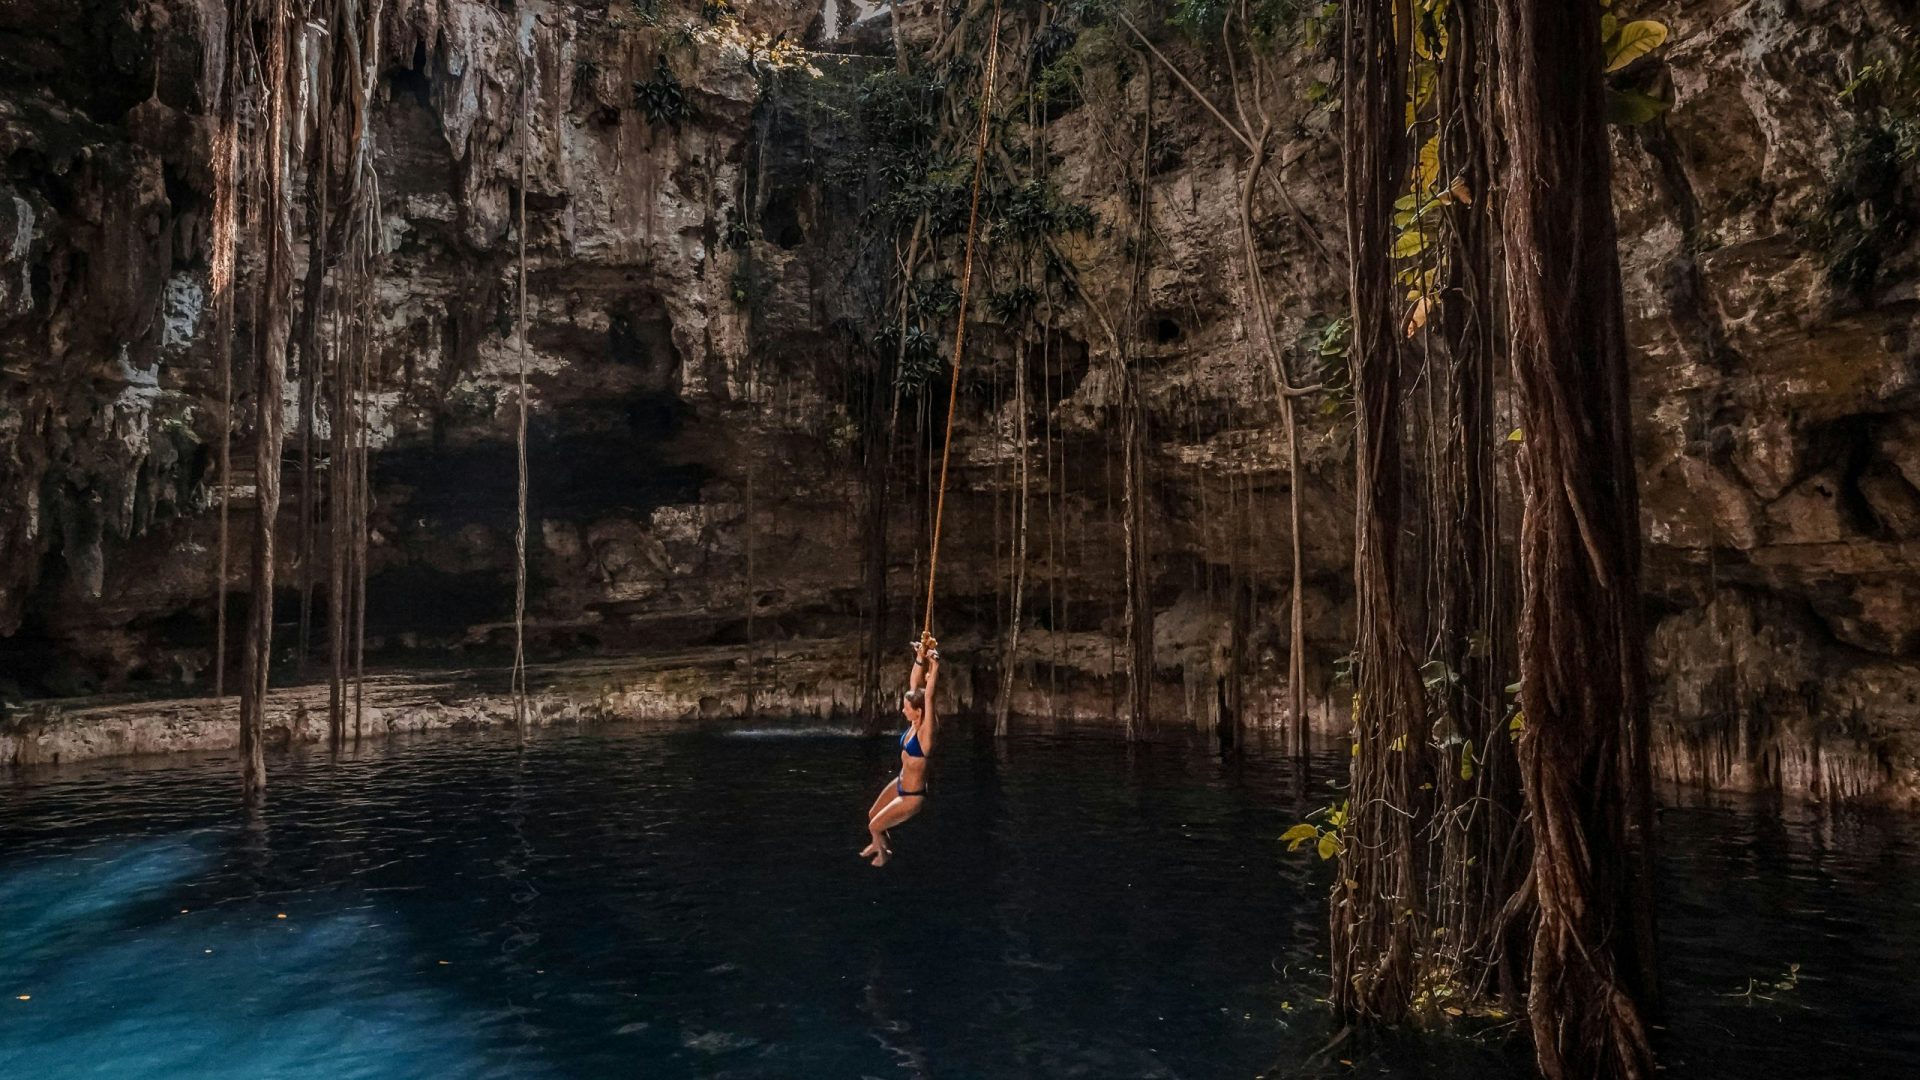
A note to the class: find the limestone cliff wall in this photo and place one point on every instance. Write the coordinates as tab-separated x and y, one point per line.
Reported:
696	438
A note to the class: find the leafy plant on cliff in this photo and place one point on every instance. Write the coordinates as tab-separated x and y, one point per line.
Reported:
1035	209
662	98
1873	210
919	354
1010	306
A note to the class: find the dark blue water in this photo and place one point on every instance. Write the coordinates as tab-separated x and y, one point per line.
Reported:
633	903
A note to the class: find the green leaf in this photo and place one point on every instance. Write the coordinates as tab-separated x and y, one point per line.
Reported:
1329	846
1609	26
1426	168
1299	832
1466	761
1631	108
1518	723
1636	40
1411	243
1514	435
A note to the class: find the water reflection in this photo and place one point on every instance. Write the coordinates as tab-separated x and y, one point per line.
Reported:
633	902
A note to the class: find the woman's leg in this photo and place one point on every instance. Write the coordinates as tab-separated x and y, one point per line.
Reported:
897	811
887	795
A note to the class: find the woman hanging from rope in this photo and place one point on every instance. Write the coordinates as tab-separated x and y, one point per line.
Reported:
904	797
907	793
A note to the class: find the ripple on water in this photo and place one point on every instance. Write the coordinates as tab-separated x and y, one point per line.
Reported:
688	904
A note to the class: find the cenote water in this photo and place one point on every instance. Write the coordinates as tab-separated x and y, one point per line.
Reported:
643	903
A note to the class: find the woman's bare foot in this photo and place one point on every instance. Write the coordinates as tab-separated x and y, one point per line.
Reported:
879	850
880	857
873	847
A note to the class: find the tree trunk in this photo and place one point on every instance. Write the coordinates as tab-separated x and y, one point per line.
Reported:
1584	754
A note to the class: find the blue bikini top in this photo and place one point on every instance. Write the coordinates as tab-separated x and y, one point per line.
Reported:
910	742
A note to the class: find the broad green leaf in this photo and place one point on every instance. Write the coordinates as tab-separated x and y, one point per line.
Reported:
1425	79
1426	169
1631	108
1302	831
1636	40
1518	723
1609	26
1466	761
1410	244
1514	435
1329	845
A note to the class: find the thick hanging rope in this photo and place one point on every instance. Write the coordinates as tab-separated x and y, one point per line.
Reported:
960	331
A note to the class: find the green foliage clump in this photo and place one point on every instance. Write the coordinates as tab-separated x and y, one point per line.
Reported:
1272	21
662	98
1035	209
1321	353
1050	43
1327	839
919	354
735	234
1056	89
586	73
1873	210
934	297
941	194
1012	305
1635	94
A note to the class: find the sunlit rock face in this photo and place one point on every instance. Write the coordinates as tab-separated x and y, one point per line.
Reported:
695	322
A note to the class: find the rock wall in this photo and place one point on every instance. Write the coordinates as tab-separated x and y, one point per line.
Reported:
697	426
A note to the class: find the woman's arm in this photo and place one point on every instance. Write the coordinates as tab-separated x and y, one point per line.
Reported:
918	677
933	678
